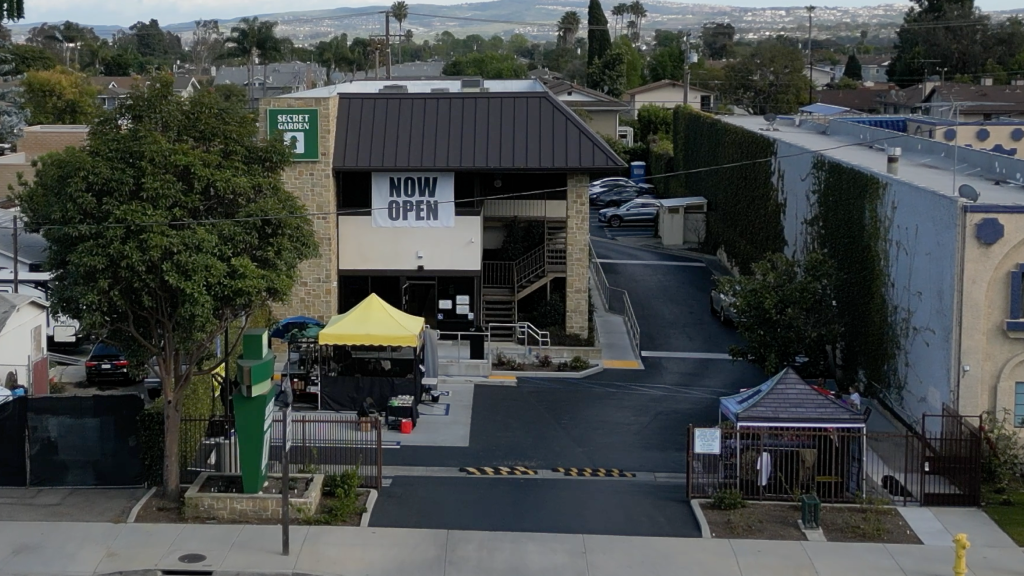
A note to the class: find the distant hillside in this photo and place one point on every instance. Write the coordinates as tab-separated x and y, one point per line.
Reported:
537	20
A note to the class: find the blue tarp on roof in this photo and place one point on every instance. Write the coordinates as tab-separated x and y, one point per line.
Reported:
894	123
823	109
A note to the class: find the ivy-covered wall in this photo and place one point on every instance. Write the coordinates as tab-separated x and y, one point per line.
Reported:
893	246
744	204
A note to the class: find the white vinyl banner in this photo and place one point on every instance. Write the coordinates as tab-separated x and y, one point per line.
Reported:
413	199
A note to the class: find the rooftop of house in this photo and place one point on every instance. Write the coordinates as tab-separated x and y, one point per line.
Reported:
863	99
278	75
422	86
874	59
664	84
31	247
980	99
578	96
919	164
9	304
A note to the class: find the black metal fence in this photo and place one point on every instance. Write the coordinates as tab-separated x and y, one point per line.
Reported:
13	442
839	465
324	442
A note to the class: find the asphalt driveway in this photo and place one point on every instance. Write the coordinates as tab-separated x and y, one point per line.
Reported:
622	507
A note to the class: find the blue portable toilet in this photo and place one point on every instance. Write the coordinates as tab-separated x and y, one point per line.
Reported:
637	171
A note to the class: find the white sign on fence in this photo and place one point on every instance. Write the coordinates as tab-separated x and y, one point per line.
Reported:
707	441
413	199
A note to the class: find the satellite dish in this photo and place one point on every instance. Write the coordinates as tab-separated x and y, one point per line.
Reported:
770	118
967	192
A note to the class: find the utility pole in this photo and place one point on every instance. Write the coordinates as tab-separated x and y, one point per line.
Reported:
14	221
686	70
810	61
387	35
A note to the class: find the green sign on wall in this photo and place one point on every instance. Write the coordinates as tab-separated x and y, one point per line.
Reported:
300	129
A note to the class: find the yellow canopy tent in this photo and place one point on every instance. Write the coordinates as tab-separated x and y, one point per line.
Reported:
373	322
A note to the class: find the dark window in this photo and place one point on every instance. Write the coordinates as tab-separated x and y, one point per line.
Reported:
353	190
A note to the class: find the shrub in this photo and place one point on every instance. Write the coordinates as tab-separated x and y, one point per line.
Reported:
563	366
544	361
578	364
1003	453
728	500
342	485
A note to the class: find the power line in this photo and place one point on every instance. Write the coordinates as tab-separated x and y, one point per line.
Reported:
345	211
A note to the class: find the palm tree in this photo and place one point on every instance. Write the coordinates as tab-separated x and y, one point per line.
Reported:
243	42
623	9
631	30
568	26
615	14
332	54
399	11
268	47
636	8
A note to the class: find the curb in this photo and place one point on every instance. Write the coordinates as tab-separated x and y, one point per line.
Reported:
138	506
364	522
588	372
705	531
475	381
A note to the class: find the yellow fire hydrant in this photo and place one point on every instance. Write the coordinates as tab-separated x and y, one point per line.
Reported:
960	561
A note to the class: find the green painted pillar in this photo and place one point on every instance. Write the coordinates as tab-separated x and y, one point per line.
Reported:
254	408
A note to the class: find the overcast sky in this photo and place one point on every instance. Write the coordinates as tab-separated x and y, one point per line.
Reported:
126	12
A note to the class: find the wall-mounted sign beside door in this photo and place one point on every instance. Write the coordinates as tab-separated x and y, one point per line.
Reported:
299	128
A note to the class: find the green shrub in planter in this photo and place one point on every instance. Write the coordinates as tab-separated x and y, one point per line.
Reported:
579	364
728	500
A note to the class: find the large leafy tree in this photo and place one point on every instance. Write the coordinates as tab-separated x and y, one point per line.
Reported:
25	57
207	42
12	115
770	79
599	40
171	223
608	75
487	65
333	54
717	39
937	34
785	309
153	42
59	96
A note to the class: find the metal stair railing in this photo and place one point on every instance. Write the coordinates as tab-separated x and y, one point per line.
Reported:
529	266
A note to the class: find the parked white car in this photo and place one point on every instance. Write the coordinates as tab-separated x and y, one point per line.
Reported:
721	306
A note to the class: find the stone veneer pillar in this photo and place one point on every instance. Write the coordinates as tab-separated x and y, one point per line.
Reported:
577	256
316	292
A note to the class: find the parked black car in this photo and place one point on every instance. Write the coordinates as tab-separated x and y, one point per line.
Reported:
107	364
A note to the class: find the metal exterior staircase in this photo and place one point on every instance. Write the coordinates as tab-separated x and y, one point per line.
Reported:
505	283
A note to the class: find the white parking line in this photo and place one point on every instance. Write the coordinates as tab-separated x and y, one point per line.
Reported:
693	355
651	262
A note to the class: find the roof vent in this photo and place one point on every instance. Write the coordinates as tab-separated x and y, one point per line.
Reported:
485	89
471	84
394	89
439	90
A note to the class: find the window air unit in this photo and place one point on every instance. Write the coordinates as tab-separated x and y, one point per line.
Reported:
472	84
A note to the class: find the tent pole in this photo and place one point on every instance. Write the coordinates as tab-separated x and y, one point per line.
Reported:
319	376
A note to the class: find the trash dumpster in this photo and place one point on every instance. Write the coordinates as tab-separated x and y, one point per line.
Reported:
476	343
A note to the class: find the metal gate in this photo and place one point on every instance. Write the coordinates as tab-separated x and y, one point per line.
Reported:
13	424
951	447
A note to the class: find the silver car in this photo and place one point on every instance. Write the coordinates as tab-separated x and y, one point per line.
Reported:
639	211
721	307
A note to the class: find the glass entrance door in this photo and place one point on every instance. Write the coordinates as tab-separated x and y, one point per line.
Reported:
419	298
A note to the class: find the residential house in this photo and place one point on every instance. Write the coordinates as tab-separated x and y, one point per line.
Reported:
280	78
669	94
113	88
874	68
982	102
819	76
600	111
493	153
35	141
861	99
23	341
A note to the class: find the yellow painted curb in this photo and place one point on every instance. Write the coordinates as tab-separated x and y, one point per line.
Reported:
621	364
493	377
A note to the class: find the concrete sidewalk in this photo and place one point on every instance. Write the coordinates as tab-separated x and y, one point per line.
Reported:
86	549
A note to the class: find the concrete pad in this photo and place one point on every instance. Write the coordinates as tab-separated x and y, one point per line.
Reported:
926	526
992	561
923	560
138	547
373	551
980	529
842	559
258	548
514	554
66	548
618	555
206	536
771	558
446	423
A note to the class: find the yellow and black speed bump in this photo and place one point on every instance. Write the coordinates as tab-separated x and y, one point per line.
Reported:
499	471
595	472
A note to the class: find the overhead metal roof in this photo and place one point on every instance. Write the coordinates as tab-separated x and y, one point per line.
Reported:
466	131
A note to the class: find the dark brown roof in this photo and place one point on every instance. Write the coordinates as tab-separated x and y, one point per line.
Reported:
861	99
466	131
983	99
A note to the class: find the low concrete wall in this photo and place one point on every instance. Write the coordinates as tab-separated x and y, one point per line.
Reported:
247	507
